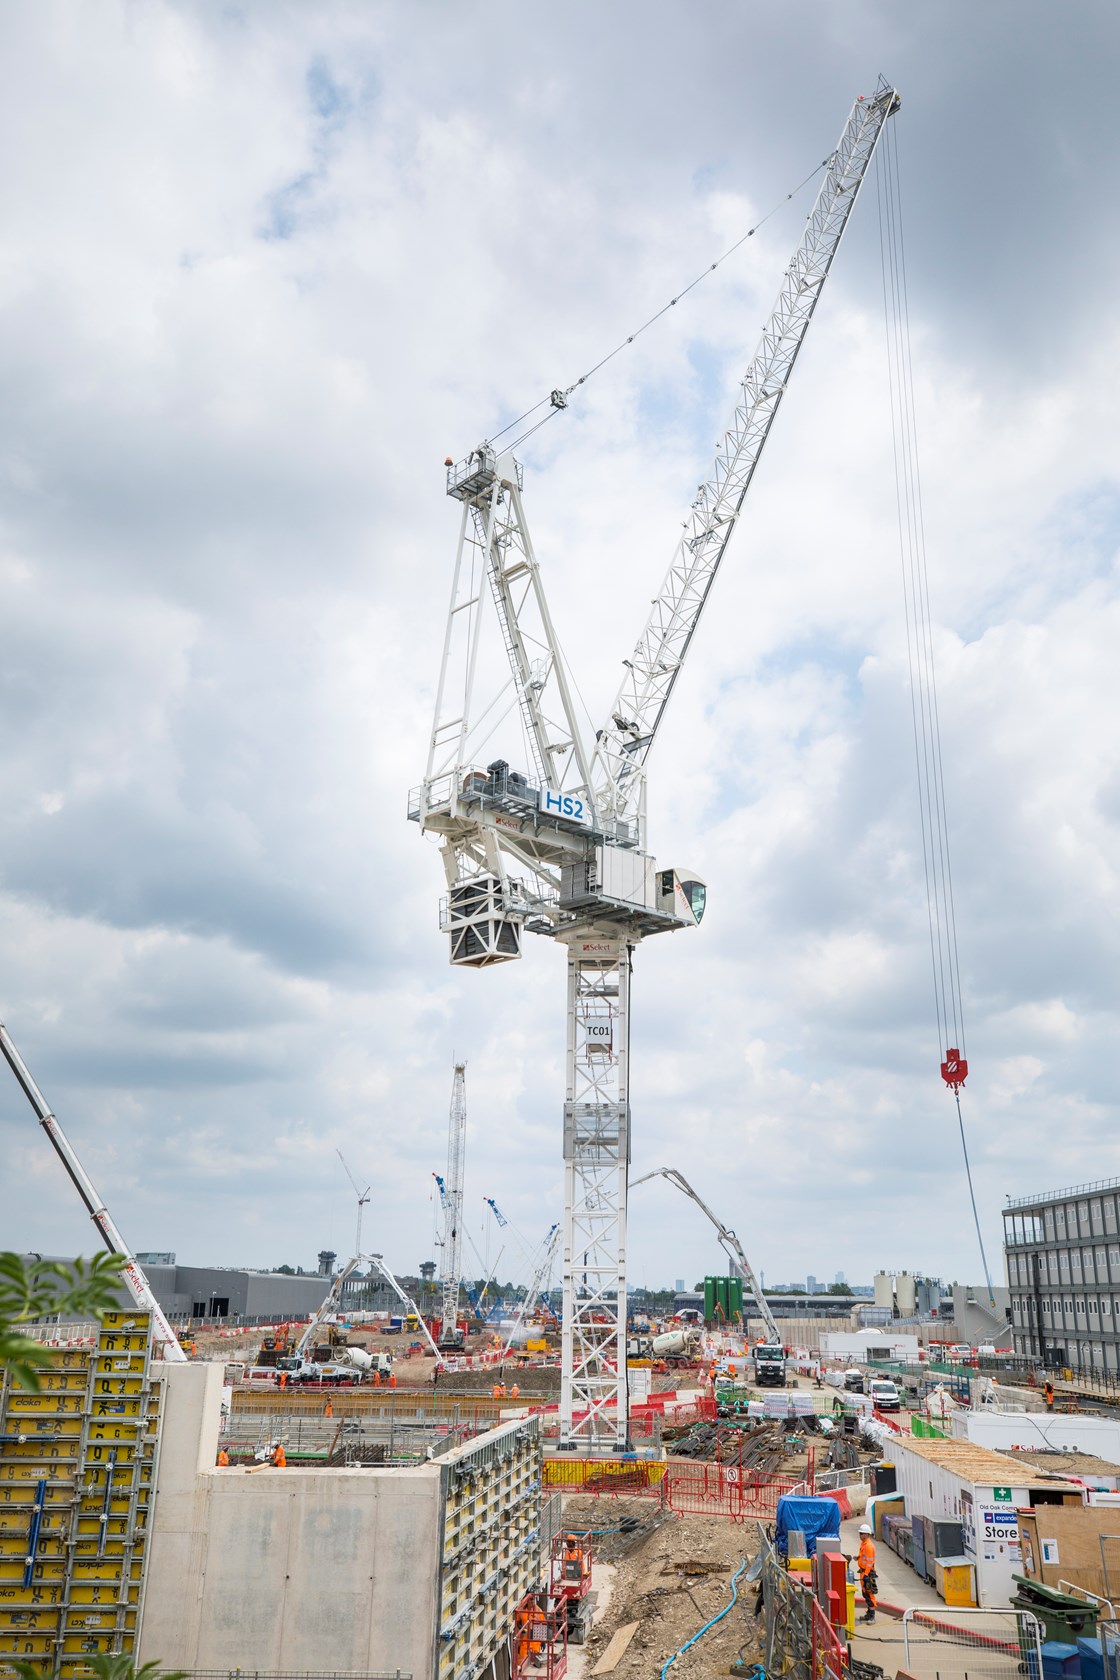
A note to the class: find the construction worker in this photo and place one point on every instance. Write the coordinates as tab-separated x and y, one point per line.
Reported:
328	1409
279	1457
573	1558
865	1563
495	1392
515	1392
1048	1394
392	1379
223	1457
282	1379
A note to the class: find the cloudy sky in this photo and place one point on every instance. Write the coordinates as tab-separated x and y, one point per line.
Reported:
262	266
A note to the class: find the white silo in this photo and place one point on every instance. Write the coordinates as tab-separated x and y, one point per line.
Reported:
907	1294
884	1290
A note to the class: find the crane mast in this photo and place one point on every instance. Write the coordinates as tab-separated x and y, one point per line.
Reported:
451	1195
734	1248
558	845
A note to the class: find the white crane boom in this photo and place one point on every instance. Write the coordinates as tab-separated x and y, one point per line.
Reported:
651	672
330	1305
132	1274
727	1237
379	1261
535	1286
451	1196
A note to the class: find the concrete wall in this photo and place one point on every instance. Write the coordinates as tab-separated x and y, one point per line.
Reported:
976	1321
298	1570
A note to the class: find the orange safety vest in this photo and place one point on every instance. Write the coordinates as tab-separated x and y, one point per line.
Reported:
223	1457
280	1459
866	1560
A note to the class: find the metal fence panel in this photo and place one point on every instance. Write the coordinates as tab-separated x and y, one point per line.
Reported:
970	1644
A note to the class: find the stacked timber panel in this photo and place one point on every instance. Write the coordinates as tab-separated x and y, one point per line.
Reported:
491	1546
77	1474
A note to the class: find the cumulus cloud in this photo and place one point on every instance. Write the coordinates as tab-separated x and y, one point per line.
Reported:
261	268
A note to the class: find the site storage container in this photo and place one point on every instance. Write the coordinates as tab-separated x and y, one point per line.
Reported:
955	1581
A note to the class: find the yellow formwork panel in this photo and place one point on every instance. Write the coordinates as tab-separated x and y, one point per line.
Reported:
93	1422
54	1402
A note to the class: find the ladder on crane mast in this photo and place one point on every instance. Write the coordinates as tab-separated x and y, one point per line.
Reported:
560	847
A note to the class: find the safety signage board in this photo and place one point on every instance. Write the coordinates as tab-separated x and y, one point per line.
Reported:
76	1475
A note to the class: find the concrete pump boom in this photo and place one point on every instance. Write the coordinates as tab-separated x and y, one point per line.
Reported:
132	1275
331	1304
727	1237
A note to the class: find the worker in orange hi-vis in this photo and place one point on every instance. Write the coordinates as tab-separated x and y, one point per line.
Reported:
865	1563
328	1409
515	1392
392	1379
495	1392
279	1457
223	1457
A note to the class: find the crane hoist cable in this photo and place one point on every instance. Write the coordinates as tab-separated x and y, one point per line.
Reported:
557	400
925	717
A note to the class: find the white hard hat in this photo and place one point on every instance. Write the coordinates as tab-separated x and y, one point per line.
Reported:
865	1528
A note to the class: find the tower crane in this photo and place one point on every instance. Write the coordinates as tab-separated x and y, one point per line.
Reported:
363	1198
739	1262
559	844
451	1198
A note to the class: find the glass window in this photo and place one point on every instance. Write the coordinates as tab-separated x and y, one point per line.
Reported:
1049	1221
1096	1215
1110	1213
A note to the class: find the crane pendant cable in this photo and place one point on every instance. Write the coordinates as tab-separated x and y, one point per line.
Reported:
940	907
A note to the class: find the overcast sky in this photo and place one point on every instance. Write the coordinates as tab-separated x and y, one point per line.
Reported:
262	266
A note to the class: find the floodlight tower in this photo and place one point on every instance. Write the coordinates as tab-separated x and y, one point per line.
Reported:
559	845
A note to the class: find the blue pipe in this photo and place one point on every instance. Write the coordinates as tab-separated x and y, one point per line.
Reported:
701	1631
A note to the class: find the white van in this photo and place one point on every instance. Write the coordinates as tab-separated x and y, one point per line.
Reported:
884	1395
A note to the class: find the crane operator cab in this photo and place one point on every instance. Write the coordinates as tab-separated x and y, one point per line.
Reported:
683	894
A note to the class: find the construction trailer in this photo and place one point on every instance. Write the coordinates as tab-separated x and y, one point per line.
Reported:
983	1491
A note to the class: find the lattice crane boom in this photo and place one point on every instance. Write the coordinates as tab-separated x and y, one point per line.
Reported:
650	675
451	1194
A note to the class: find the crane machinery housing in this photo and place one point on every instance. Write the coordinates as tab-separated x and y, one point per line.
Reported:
557	844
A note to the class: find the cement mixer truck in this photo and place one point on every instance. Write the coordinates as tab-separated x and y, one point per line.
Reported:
676	1347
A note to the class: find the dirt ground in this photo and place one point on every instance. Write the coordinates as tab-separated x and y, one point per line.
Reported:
670	1578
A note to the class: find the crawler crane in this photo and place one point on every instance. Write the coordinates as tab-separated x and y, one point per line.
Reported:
557	843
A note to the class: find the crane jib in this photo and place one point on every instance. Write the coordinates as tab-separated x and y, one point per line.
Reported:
652	671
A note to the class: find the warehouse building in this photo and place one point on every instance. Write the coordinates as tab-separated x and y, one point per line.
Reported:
1062	1253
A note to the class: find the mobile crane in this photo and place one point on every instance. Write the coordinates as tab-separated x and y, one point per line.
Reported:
559	846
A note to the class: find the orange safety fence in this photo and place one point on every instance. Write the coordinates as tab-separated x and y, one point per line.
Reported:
697	1489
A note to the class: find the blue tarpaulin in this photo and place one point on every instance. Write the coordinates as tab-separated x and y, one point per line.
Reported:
809	1517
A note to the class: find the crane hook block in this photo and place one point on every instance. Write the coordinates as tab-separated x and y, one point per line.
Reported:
954	1070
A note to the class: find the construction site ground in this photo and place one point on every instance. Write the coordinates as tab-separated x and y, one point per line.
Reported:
671	1576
